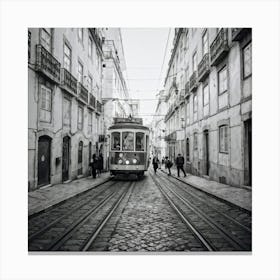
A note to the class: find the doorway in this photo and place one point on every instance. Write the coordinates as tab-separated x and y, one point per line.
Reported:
248	152
80	158
65	158
206	152
44	155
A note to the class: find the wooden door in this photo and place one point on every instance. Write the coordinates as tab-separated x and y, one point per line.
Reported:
44	152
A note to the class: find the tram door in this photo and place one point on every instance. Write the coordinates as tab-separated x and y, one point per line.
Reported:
80	158
44	154
65	158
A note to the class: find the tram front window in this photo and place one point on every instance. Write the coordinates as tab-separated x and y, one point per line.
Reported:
139	141
128	141
116	141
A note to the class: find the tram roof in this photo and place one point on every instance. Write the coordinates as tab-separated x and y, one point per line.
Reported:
128	125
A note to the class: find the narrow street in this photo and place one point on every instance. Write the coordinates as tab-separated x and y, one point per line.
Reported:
157	213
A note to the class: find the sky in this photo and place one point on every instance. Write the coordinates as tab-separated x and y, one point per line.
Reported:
144	50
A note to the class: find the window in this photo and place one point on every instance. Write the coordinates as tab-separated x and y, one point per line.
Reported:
90	44
90	83
222	80
80	72
80	118
89	122
188	150
195	107
128	141
46	104
194	62
80	34
188	111
46	38
67	58
139	141
223	139
205	44
247	61
206	100
187	73
116	143
66	112
195	144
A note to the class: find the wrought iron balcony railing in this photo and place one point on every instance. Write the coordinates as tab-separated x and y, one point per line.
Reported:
238	33
47	64
170	137
68	81
193	82
83	93
96	36
98	106
219	48
92	101
203	68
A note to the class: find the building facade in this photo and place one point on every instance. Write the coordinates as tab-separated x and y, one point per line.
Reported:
114	88
209	97
158	127
65	119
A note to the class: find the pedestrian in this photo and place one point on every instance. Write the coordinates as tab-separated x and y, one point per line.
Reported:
180	164
99	164
93	165
155	163
168	165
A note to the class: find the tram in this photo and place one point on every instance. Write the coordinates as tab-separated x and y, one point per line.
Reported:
129	146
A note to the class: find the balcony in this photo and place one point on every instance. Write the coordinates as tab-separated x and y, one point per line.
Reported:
193	82
47	64
98	107
187	88
96	36
92	101
219	48
170	137
101	138
83	93
68	82
203	68
237	34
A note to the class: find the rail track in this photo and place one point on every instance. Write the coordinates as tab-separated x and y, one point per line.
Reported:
215	229
88	217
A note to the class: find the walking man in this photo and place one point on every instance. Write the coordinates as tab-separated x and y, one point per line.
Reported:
180	164
168	165
155	163
93	165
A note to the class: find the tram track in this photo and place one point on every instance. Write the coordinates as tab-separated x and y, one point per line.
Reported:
92	218
212	235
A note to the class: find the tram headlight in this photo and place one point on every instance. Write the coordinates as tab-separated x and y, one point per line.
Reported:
134	161
127	162
120	161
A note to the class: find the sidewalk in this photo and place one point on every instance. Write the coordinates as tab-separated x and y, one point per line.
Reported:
44	198
241	197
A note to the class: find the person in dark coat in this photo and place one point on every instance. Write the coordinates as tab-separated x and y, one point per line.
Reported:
99	164
180	164
155	163
168	165
93	165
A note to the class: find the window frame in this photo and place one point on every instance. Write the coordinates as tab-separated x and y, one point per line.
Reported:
133	144
243	61
44	108
205	34
143	138
194	61
112	138
82	76
81	39
195	141
65	124
224	141
224	68
65	44
43	41
90	115
80	125
90	47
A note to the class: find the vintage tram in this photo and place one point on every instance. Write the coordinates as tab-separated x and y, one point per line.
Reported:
129	146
